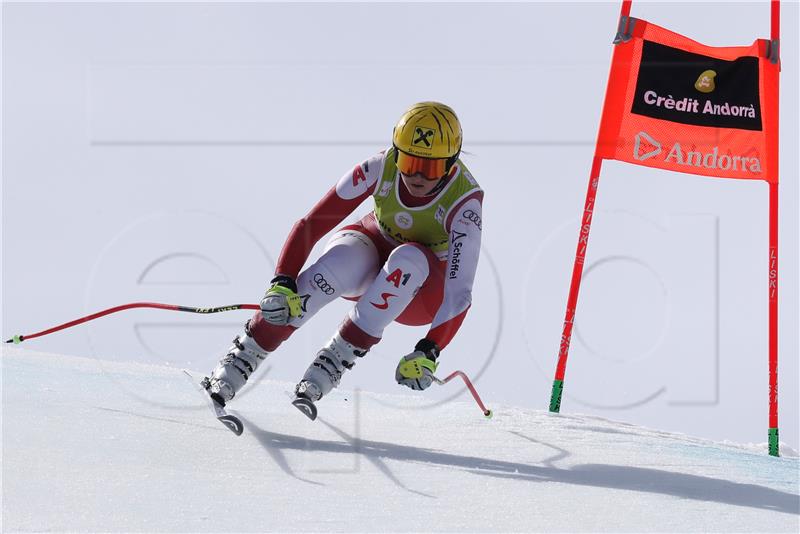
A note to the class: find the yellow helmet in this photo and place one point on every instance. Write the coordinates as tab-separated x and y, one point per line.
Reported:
427	131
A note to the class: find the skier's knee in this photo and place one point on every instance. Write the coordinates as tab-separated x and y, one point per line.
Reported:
409	264
348	266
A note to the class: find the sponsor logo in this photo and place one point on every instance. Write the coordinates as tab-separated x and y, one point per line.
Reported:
472	217
358	175
455	255
323	284
389	232
680	155
385	303
705	82
228	421
457	236
385	188
725	94
397	277
423	137
403	220
439	215
692	105
215	310
645	147
713	160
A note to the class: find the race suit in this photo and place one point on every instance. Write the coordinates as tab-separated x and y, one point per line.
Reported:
412	259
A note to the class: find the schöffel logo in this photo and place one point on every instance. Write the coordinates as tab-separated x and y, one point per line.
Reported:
645	147
455	253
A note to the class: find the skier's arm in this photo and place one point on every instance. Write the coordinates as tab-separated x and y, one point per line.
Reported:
462	262
351	190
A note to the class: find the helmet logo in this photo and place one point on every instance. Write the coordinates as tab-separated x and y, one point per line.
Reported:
421	136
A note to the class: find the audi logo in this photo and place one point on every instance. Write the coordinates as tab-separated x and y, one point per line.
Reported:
474	217
323	284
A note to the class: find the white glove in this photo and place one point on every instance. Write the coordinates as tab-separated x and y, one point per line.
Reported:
416	370
281	303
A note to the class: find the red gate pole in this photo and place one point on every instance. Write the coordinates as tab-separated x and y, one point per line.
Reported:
773	443
625	11
773	319
575	285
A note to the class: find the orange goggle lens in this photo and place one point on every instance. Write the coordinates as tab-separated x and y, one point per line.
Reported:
432	169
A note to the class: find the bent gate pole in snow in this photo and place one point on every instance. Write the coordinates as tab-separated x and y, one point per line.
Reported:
751	132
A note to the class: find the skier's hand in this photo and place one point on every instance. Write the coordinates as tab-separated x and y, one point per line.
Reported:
416	370
281	303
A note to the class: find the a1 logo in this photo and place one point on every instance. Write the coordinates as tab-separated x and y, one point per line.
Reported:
397	278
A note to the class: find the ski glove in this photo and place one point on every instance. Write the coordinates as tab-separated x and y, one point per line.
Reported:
281	303
416	370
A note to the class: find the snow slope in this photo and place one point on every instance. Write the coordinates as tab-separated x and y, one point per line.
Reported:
99	446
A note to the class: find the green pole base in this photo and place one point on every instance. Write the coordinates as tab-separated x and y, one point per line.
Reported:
555	396
774	448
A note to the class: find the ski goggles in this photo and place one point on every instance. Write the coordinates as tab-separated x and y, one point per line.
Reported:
431	169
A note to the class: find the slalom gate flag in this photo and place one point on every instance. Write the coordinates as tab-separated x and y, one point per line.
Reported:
675	104
678	105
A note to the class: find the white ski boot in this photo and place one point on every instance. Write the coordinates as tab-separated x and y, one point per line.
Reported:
235	368
325	373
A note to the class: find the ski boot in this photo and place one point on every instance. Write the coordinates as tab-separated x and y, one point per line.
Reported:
325	373
235	368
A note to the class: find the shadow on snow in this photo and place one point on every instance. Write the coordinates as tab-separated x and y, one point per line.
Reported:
619	477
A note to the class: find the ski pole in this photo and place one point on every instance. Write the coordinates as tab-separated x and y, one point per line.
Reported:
172	307
486	412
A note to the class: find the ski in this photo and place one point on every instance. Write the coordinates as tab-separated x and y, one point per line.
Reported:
306	406
231	422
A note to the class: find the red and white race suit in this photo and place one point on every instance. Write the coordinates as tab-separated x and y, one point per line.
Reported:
389	276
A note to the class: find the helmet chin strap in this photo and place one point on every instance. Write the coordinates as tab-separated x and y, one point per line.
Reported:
439	186
442	181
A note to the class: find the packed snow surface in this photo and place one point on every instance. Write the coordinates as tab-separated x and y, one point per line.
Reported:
91	445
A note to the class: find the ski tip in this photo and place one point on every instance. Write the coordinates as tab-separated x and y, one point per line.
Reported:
233	424
305	406
16	340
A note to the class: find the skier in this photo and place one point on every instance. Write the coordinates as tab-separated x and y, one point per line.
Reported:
411	260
